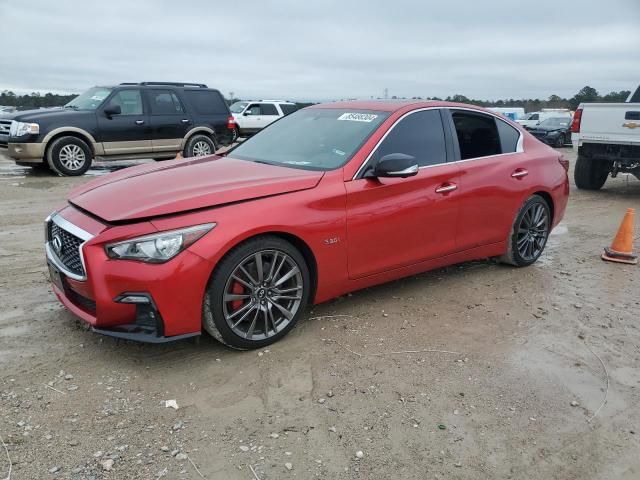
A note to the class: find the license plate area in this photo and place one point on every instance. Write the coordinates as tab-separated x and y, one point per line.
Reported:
56	276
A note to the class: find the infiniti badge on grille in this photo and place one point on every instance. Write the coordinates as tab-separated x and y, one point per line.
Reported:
57	244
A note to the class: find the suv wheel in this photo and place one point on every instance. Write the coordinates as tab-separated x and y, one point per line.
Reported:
69	156
256	294
590	174
198	146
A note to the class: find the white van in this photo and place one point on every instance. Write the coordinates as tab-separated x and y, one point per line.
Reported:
512	113
533	119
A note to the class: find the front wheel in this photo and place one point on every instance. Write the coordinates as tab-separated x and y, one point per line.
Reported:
257	293
69	156
560	141
529	233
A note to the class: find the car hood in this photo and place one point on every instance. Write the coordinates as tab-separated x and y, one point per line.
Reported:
36	114
166	188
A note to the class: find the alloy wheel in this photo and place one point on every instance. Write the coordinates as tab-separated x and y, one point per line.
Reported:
72	157
262	295
533	232
201	149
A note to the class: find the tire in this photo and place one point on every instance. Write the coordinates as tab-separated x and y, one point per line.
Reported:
69	156
244	316
560	141
199	145
236	134
590	174
530	230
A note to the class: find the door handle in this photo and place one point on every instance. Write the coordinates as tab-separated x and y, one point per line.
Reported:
520	173
185	120
139	122
446	188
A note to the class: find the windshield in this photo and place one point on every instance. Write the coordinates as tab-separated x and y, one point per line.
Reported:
556	122
238	107
311	139
89	100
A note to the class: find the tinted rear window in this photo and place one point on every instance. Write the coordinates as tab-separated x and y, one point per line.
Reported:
206	102
287	108
509	136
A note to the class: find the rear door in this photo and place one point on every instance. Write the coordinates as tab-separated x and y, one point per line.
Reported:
168	119
128	132
494	173
269	114
395	222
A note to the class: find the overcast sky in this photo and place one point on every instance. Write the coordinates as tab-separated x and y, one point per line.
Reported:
306	50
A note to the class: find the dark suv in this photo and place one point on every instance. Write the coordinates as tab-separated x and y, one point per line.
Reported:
131	120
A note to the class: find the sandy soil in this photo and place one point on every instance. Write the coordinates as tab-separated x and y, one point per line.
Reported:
529	342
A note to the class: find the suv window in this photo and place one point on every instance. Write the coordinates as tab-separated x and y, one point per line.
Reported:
130	102
206	102
253	109
268	109
164	102
477	134
509	136
420	135
287	108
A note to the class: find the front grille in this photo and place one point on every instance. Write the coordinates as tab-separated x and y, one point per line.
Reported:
5	126
69	251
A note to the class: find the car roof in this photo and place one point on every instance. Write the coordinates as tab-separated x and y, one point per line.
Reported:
392	105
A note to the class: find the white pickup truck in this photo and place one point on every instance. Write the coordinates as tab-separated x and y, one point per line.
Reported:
607	139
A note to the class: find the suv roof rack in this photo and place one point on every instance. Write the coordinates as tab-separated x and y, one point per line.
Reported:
172	84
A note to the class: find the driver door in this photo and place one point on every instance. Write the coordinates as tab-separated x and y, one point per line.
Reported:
128	132
396	222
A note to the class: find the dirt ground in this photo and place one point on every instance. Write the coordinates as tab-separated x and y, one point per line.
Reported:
511	367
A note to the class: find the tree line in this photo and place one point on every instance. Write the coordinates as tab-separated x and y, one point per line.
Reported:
586	94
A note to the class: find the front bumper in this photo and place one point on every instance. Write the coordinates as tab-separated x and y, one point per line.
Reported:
169	295
26	152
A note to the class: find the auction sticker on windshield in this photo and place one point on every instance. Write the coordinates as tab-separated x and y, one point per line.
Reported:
358	117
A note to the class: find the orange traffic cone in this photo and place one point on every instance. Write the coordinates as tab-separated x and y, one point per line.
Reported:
179	156
622	247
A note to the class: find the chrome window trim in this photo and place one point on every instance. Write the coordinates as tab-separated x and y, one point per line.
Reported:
74	230
519	144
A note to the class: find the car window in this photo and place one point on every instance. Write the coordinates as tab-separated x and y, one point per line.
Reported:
534	116
268	109
89	100
477	134
130	102
164	102
420	135
509	137
253	109
287	108
237	107
206	102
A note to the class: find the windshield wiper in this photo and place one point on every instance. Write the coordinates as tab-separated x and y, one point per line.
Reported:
73	107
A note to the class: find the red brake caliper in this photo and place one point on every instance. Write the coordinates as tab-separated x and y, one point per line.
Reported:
238	289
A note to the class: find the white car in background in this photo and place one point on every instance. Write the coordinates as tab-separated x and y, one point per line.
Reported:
533	119
251	116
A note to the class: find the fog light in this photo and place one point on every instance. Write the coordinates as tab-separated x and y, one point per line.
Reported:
133	299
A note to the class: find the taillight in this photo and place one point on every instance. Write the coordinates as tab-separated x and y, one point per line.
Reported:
231	122
564	162
575	123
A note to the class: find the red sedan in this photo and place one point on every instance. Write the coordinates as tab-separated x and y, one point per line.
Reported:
332	198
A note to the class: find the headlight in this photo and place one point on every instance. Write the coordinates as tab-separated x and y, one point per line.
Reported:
18	129
159	247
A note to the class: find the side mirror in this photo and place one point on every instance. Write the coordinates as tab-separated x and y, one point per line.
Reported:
112	110
396	165
246	112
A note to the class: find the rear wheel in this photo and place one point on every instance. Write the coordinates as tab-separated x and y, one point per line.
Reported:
199	145
257	293
69	156
529	233
590	174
